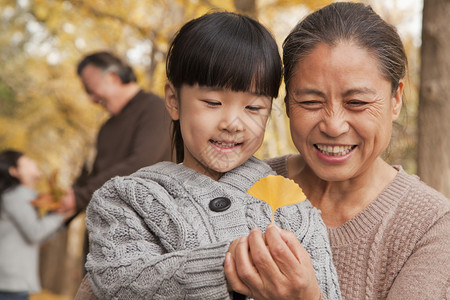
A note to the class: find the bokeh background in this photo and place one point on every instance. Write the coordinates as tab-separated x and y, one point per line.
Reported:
45	112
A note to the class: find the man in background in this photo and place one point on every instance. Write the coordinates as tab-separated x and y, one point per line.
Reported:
136	135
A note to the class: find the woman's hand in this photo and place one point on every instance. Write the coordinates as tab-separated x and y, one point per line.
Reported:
273	265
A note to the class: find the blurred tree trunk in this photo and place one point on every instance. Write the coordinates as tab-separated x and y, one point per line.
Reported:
434	102
52	260
61	258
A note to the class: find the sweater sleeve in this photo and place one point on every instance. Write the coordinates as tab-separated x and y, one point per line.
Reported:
313	235
426	273
33	228
134	253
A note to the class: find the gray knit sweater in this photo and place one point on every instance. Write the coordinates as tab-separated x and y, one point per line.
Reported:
153	235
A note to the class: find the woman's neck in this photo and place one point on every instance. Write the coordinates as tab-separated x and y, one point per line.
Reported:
343	200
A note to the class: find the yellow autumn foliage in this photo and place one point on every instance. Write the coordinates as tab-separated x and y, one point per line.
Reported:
42	42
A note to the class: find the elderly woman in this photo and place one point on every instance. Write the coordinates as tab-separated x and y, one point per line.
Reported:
389	232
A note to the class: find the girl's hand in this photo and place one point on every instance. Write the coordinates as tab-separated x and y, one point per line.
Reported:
273	265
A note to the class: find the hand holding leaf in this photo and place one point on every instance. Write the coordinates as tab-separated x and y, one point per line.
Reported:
277	191
50	201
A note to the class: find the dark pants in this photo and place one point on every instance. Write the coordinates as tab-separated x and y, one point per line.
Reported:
13	295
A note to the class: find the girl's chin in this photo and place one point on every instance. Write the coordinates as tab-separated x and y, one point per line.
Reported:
221	169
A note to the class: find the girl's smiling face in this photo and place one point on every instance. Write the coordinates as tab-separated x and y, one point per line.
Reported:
341	110
27	171
221	128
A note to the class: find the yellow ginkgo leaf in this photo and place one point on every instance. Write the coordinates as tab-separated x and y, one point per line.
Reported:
277	191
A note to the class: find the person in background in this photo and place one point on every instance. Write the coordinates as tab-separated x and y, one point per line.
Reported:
22	230
344	70
136	135
164	231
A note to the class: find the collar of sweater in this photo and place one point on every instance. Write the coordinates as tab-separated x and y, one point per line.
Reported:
375	213
172	183
241	178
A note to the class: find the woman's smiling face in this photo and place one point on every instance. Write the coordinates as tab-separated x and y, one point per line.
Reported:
341	110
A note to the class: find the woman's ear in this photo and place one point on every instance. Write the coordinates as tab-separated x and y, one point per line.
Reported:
172	101
397	101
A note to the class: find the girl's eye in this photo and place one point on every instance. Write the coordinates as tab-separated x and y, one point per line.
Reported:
212	103
253	108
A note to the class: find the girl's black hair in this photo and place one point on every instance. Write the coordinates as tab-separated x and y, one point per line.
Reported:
8	159
224	50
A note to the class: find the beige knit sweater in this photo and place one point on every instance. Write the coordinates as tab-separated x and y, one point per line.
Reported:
396	248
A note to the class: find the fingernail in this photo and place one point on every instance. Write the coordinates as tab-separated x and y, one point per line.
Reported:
255	229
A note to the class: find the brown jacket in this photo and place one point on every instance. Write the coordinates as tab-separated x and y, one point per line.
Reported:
137	137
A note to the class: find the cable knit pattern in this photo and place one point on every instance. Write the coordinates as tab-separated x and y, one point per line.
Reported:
153	236
396	248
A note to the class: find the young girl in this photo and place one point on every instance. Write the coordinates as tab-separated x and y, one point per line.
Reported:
21	228
163	232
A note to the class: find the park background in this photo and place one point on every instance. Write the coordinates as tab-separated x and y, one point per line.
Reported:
45	112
